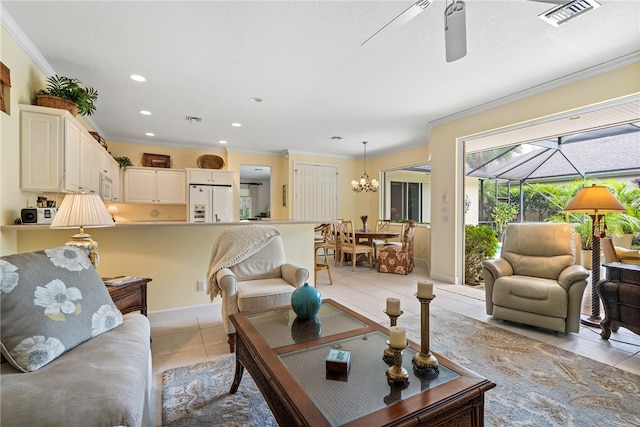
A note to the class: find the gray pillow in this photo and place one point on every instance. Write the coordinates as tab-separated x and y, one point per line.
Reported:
50	302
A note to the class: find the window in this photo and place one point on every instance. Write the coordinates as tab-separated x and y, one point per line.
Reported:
406	200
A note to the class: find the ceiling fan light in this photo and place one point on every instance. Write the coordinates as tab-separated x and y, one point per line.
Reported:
455	31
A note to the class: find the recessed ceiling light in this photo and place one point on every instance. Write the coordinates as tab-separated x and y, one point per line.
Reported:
145	112
222	141
236	124
137	78
150	134
255	99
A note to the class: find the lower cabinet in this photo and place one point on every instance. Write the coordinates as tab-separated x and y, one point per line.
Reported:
155	186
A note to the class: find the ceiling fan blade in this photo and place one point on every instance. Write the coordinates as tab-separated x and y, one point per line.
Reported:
397	22
455	31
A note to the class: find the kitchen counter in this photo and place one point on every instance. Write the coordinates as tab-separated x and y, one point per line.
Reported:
175	254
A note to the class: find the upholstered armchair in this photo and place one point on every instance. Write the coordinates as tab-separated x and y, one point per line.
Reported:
618	254
262	280
399	259
537	280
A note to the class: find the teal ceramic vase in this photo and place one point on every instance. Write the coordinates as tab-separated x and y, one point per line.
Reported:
306	301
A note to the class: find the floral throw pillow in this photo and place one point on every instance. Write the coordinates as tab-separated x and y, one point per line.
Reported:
50	302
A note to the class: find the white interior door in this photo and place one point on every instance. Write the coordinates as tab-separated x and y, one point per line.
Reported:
315	196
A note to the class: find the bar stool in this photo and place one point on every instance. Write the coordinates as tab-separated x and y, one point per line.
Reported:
320	242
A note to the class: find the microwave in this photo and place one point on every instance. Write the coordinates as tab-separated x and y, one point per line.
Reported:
106	188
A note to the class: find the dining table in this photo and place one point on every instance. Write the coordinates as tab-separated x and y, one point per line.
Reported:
370	236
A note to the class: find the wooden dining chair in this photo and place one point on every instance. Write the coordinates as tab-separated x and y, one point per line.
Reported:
322	231
349	245
382	226
333	242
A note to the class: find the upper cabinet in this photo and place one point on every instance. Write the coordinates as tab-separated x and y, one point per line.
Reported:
155	185
110	177
57	153
209	177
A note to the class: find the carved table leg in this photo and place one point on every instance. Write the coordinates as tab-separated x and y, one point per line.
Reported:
237	377
232	342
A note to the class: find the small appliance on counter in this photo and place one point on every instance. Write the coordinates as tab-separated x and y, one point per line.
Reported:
210	203
37	215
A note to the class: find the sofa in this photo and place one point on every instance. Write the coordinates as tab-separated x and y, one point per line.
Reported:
537	280
70	358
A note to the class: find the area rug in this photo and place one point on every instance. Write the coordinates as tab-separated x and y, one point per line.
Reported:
198	395
537	384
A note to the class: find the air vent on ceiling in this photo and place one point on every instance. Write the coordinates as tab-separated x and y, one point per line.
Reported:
565	12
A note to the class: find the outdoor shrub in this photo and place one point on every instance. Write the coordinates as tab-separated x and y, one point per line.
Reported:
480	243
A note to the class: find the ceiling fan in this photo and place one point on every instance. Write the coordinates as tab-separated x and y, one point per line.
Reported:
455	26
455	29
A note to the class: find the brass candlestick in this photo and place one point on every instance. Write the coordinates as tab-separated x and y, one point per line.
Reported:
424	361
396	374
388	352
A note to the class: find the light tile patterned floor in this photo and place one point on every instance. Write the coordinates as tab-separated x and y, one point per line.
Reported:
187	336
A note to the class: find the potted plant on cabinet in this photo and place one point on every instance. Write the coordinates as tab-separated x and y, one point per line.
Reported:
69	94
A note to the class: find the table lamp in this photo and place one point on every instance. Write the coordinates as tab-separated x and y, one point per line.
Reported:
83	210
595	201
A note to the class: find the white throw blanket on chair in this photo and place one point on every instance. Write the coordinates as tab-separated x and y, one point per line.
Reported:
233	246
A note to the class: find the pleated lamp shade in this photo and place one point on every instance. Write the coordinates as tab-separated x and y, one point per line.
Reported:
83	210
594	199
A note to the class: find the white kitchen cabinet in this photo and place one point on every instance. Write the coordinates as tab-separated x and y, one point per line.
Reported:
209	176
54	151
154	185
110	177
89	164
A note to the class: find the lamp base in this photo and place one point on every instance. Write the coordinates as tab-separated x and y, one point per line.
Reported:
593	321
87	244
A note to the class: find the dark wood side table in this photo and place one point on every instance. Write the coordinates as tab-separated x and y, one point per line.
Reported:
620	295
130	297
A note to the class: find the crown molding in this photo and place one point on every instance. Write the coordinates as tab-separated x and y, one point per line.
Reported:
544	87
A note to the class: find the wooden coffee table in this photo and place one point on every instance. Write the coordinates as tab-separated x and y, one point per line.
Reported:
286	358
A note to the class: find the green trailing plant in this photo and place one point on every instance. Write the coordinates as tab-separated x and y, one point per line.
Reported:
480	243
502	214
619	223
72	90
585	231
123	161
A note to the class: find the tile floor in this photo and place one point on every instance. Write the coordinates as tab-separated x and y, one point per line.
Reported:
191	335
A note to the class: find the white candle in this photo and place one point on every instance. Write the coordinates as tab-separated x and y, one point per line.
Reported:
393	306
397	337
425	289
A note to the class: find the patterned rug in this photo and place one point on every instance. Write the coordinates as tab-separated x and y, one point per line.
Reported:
537	384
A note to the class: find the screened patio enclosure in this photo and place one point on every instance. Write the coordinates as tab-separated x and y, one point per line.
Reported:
612	152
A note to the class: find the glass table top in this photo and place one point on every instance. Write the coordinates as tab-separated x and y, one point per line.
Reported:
364	389
283	327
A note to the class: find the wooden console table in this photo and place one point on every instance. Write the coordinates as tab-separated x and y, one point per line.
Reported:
620	295
130	297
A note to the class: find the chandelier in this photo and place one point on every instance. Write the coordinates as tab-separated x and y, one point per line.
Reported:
365	183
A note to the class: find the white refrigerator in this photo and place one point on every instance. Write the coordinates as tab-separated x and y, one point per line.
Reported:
210	203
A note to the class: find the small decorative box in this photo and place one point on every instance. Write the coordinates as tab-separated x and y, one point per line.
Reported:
338	361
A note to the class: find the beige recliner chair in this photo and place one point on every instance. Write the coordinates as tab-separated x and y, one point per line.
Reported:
261	280
537	280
